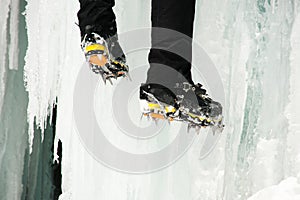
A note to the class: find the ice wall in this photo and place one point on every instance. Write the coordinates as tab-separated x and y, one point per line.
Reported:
83	177
260	154
22	175
9	19
13	100
292	166
254	45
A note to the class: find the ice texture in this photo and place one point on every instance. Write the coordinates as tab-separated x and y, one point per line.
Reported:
288	189
14	35
3	50
13	103
45	57
255	46
250	43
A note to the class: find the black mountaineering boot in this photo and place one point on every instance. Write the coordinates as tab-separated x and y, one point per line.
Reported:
104	55
184	102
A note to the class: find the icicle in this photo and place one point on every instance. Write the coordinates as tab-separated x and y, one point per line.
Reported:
42	61
4	10
13	33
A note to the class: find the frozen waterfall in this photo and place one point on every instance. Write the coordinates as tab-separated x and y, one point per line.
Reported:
255	48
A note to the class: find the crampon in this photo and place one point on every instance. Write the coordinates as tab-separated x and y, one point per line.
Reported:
154	109
100	60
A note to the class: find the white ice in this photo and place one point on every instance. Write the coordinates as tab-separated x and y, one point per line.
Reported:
288	189
254	45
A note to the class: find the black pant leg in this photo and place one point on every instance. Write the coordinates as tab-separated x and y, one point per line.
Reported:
98	15
179	16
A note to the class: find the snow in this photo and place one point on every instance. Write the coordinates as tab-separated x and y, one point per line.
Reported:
288	189
265	168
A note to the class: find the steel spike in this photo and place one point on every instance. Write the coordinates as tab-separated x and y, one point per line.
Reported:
128	76
109	79
104	79
125	76
142	116
198	129
189	128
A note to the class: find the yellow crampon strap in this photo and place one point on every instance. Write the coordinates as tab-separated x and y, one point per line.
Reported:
200	118
117	63
95	47
168	109
153	105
